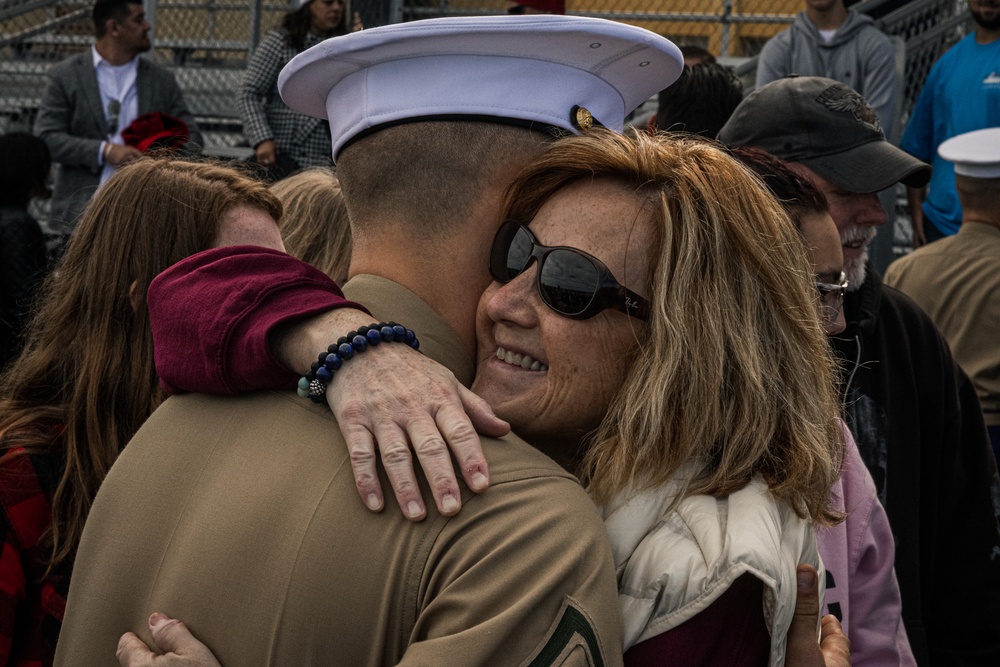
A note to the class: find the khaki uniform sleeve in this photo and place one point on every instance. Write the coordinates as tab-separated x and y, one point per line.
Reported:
522	576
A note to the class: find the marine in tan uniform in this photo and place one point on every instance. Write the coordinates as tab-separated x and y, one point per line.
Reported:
956	280
240	515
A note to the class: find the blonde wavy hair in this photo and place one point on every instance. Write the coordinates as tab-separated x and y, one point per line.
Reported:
732	367
315	227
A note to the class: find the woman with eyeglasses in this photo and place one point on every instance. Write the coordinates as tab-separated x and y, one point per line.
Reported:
860	552
85	381
809	212
284	140
658	332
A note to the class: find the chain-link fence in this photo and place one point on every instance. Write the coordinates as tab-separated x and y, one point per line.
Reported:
928	29
736	30
207	42
724	27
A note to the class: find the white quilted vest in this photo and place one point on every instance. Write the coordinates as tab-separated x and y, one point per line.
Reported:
675	558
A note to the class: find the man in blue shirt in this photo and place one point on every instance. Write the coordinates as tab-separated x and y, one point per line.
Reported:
961	94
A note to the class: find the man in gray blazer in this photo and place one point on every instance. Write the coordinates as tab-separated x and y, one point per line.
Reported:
93	96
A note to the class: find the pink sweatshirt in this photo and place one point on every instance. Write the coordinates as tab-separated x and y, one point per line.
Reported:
861	588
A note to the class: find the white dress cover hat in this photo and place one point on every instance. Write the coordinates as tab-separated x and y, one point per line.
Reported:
975	154
533	70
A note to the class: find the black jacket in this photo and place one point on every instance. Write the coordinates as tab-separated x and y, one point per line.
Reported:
22	267
919	428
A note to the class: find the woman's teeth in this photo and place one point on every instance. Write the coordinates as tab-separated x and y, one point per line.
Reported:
522	360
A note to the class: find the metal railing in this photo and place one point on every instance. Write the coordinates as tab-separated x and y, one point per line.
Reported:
207	42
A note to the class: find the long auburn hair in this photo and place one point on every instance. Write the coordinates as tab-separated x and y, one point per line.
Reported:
85	381
732	368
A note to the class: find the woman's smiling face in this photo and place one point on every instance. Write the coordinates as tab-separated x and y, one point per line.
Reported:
550	376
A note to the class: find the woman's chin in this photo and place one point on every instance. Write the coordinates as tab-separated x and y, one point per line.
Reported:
508	389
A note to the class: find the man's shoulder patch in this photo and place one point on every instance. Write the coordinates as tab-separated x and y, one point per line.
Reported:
572	631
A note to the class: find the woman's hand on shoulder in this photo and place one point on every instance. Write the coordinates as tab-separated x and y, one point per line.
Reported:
391	400
397	400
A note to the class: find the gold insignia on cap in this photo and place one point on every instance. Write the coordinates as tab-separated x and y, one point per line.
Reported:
582	118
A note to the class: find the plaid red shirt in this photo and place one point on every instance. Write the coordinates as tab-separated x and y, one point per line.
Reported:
31	609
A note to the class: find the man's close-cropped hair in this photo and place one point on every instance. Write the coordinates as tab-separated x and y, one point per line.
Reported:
105	10
438	171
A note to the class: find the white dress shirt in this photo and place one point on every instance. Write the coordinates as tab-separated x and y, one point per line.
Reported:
117	83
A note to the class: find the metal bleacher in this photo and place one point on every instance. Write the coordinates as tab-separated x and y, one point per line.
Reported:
207	42
204	42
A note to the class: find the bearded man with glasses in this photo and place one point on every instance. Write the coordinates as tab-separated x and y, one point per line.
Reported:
913	412
861	586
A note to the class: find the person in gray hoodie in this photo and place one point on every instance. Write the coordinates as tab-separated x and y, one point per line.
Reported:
828	40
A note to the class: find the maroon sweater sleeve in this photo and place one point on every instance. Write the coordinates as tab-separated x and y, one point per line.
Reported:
211	315
730	633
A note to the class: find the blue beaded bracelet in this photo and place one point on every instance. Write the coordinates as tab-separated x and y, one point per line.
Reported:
313	384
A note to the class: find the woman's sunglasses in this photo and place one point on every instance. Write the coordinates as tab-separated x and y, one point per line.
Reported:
570	281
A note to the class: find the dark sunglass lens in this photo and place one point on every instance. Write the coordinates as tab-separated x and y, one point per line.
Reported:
501	268
519	253
569	281
511	253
